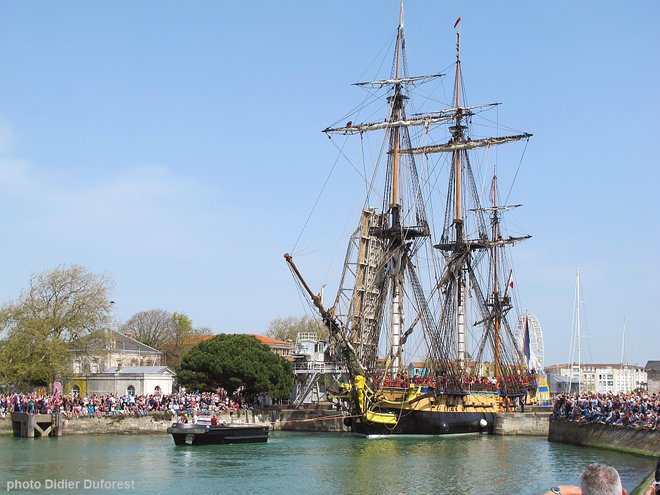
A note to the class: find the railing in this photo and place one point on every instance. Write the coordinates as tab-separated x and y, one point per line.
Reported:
318	367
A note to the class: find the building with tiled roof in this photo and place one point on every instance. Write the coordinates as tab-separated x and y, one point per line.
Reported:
280	347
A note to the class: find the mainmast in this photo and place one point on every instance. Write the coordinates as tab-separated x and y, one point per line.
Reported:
397	286
457	132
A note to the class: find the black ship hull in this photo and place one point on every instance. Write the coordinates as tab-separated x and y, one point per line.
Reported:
192	434
429	423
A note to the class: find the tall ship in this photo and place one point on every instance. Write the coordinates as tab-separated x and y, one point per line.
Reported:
420	319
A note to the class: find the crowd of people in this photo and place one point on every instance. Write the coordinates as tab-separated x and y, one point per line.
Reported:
638	410
75	406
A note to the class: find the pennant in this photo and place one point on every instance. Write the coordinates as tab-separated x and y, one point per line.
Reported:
456	23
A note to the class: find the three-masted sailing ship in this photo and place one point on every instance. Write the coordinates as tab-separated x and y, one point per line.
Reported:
406	283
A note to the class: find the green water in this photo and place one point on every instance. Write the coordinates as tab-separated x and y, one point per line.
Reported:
301	463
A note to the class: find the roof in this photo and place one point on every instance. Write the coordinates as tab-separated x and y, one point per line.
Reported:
418	364
142	370
125	343
593	365
652	366
269	341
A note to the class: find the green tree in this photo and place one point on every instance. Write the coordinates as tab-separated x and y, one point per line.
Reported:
65	309
289	327
232	361
181	339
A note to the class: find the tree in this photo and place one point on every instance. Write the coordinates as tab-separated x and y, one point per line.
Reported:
181	339
289	327
171	333
232	361
65	309
153	327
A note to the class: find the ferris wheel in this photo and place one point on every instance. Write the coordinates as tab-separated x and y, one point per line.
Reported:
536	349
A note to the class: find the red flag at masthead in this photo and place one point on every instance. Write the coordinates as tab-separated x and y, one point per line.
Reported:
456	23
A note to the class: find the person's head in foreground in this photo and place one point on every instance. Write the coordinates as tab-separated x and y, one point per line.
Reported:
599	479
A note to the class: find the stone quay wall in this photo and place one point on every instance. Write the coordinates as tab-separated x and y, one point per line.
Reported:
151	423
517	423
633	440
310	420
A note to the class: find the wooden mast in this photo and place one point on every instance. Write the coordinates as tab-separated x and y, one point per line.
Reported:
457	154
396	113
457	136
397	304
497	304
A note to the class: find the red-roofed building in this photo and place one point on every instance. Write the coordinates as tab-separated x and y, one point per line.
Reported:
279	347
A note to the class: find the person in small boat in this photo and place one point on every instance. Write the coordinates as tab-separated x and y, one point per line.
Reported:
214	420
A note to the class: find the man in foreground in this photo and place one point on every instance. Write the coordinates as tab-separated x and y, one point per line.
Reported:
596	479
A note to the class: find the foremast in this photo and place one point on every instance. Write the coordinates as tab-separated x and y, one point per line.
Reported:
388	239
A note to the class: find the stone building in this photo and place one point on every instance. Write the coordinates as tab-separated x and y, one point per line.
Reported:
92	371
652	369
132	380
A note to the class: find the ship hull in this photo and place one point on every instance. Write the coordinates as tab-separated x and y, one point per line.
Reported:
416	422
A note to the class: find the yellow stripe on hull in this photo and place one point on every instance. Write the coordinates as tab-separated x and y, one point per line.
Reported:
400	401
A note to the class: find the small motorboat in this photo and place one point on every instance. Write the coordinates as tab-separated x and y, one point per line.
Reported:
205	433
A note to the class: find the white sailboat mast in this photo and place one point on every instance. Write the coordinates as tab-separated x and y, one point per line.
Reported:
576	339
623	344
579	335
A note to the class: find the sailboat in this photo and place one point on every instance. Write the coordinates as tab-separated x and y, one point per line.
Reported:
408	287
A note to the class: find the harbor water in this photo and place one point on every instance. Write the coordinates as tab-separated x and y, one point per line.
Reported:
302	463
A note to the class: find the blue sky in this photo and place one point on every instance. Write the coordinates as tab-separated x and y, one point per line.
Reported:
177	148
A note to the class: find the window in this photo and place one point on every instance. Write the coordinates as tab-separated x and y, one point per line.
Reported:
76	390
130	390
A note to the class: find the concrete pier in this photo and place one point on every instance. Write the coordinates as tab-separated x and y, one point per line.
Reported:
36	425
